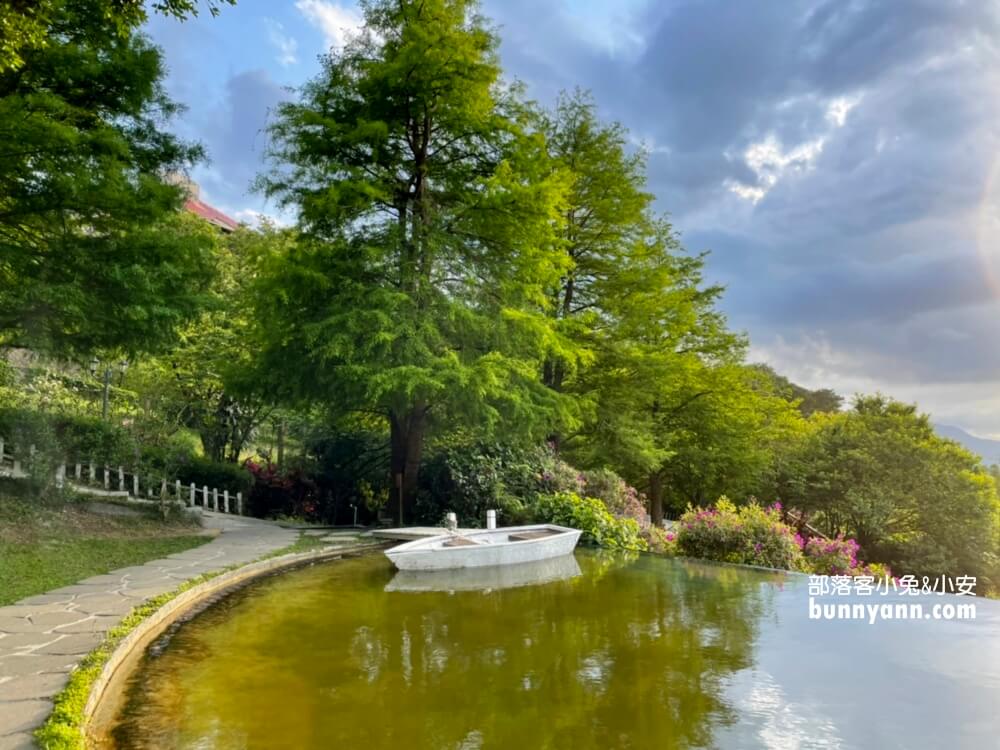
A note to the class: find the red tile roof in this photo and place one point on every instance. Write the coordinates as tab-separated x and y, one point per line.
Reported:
211	215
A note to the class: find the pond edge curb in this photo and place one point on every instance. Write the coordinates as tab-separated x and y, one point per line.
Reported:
128	646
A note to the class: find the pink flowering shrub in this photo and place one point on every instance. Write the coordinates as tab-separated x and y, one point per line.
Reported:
748	535
755	535
659	540
839	557
835	557
555	475
618	496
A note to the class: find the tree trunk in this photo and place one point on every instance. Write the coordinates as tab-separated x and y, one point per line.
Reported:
406	435
656	498
281	443
212	445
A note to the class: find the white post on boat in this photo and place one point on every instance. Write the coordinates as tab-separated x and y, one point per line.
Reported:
450	520
491	519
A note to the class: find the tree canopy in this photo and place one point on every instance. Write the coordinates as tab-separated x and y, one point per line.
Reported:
31	25
92	252
880	473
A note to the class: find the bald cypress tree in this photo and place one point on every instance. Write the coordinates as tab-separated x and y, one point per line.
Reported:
644	335
427	221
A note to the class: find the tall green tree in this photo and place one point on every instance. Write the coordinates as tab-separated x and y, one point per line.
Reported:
207	381
608	231
92	252
27	26
426	215
642	325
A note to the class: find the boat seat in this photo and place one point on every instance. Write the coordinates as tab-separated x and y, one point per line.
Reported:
460	541
527	536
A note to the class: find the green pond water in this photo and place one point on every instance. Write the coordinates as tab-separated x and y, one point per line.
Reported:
601	651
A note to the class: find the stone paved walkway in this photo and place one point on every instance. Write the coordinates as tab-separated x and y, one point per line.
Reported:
43	637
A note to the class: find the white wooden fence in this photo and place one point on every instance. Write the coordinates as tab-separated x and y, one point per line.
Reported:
109	481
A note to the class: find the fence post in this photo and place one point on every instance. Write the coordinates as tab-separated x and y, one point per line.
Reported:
93	473
239	503
31	453
191	498
17	468
107	477
225	500
215	499
1	452
135	486
78	472
61	476
121	479
204	497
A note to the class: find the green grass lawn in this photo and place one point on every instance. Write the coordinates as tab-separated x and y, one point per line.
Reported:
47	545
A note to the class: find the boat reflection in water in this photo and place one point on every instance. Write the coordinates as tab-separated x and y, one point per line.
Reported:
489	578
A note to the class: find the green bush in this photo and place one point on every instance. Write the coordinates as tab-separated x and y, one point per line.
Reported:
350	467
749	535
469	478
87	439
590	516
66	437
23	429
175	462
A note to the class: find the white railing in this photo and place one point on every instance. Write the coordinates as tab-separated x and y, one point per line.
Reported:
95	479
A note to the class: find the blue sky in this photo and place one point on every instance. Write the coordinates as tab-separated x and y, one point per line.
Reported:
839	158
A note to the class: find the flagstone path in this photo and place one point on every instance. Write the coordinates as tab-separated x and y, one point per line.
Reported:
43	637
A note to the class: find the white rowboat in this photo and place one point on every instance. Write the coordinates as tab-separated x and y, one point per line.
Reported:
505	546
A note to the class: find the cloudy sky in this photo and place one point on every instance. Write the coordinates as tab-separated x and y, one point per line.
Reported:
839	159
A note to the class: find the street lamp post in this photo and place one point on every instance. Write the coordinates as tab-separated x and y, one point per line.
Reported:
95	363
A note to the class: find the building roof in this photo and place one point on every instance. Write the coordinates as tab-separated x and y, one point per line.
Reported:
211	215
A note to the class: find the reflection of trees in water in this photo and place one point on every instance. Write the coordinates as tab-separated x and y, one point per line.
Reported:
630	654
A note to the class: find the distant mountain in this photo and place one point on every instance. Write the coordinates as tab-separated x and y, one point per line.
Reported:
988	449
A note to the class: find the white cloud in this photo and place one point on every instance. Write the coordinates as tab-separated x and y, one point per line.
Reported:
286	45
771	161
838	109
337	22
